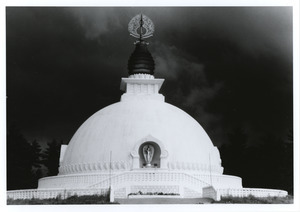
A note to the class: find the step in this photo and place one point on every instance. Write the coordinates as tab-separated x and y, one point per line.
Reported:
157	200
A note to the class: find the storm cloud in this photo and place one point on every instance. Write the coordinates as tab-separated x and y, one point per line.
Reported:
227	67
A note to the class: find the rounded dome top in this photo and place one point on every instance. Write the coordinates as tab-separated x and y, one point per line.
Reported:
141	61
121	128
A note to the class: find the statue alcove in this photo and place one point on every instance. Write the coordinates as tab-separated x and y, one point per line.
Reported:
160	156
155	162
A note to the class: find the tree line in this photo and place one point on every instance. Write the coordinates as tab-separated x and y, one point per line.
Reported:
269	164
27	161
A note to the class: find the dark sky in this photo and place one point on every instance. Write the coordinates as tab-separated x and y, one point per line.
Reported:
227	67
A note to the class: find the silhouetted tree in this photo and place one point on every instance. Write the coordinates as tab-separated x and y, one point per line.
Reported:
19	160
36	163
51	157
287	168
36	175
271	154
276	163
233	153
269	164
36	154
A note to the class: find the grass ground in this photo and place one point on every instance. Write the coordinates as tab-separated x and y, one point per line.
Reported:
256	200
90	199
104	199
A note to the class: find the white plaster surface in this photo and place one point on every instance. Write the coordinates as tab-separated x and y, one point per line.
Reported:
120	126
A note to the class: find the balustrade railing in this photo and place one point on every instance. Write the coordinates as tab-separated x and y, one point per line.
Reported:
137	178
53	193
257	192
153	178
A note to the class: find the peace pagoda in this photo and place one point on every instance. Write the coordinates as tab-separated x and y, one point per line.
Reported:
141	145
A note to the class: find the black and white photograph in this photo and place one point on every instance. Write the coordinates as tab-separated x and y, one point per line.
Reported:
165	106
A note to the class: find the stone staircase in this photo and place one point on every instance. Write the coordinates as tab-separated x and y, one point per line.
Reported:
165	182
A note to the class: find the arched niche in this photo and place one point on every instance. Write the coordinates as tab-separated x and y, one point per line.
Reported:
155	162
137	158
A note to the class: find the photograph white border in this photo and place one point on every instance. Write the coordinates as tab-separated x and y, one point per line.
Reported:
143	3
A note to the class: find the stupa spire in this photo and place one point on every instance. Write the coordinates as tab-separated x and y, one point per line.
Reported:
141	60
141	27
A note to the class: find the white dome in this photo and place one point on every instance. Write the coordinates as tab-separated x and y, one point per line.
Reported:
122	127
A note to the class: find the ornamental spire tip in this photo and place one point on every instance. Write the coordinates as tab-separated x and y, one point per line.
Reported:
141	27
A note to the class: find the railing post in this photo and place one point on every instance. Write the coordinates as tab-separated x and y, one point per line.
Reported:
181	191
111	194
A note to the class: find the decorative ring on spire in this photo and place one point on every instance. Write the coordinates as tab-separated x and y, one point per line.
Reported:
140	26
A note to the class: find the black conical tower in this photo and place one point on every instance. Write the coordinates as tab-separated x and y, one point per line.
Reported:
141	60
